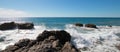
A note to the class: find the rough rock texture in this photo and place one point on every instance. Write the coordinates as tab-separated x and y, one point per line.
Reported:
7	26
79	24
90	25
25	26
48	41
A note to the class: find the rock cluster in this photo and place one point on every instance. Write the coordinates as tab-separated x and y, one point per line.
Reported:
47	41
78	24
7	26
86	25
90	25
25	26
13	25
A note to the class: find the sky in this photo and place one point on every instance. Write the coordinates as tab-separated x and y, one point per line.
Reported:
59	8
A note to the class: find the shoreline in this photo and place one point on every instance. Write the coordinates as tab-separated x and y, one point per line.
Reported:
79	35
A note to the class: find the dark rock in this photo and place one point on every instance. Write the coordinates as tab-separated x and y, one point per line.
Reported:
25	25
48	41
11	48
22	43
7	26
79	24
62	35
68	47
109	25
90	25
13	25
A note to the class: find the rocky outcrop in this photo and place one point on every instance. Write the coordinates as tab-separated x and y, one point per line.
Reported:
48	41
7	26
25	25
90	25
78	24
13	25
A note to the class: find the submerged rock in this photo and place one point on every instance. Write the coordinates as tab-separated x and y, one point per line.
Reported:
78	24
7	26
47	41
25	25
90	25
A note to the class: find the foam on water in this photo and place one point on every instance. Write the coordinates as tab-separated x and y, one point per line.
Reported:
95	40
9	37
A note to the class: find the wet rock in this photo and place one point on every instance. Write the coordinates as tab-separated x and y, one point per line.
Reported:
78	24
48	41
25	25
62	35
7	26
13	25
22	43
90	25
11	48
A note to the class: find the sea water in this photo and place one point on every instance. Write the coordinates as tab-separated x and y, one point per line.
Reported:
104	38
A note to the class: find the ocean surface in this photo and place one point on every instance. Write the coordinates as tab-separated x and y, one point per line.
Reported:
103	39
60	22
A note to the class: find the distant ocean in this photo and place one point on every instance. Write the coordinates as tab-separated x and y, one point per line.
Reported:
60	22
103	39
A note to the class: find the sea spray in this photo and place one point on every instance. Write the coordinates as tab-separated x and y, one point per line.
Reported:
13	36
95	40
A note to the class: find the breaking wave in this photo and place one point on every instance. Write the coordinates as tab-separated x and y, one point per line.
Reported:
92	40
95	40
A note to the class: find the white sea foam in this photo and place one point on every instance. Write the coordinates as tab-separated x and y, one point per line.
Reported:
95	40
9	37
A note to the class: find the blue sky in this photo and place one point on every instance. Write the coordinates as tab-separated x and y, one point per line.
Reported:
60	8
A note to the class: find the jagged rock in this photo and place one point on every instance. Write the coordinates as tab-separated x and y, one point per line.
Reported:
25	25
22	43
11	48
55	43
7	26
68	47
90	25
79	24
48	41
62	35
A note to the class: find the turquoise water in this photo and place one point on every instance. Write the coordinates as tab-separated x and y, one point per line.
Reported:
62	21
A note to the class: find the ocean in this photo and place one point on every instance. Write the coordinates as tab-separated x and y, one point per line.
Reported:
60	22
81	36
